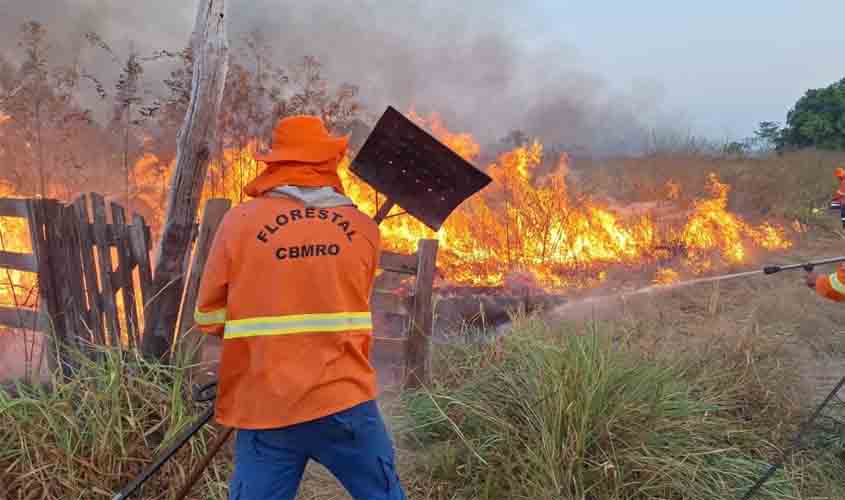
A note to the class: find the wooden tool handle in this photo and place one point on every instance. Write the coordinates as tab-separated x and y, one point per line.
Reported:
198	470
383	211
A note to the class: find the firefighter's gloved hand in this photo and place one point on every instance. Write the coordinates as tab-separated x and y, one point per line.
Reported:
810	280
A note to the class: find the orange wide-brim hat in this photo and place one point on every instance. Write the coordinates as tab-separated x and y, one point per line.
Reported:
840	173
303	139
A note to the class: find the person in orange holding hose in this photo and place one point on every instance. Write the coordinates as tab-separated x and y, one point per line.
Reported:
838	198
287	287
830	286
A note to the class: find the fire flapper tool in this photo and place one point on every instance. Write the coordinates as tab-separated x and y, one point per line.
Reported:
413	170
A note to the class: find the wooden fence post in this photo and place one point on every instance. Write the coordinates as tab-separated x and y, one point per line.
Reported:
418	346
215	209
193	149
89	269
46	220
108	294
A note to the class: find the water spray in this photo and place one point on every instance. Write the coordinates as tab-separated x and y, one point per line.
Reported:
807	266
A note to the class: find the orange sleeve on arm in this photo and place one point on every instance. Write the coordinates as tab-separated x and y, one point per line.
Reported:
832	286
210	314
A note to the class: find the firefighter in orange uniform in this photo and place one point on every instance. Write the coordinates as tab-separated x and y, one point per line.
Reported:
830	286
287	287
839	197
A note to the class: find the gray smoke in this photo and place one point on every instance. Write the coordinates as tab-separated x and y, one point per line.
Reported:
461	59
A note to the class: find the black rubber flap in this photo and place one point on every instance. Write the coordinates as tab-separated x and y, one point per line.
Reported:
416	171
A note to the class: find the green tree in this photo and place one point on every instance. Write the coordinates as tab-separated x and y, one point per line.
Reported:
817	120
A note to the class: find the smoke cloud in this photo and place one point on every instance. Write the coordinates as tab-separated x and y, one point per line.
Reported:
463	60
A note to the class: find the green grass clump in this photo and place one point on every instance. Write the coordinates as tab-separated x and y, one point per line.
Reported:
87	437
579	418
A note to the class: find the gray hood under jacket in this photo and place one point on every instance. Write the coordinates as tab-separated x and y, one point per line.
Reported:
318	197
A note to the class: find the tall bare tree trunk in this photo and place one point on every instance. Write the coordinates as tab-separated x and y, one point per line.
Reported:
194	146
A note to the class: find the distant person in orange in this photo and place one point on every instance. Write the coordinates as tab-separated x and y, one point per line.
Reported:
832	286
839	197
287	287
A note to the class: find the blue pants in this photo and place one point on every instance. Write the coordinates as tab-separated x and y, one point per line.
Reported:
352	444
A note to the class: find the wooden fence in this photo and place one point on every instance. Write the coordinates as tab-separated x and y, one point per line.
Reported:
94	278
93	268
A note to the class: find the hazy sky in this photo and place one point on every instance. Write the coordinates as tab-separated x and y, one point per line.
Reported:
729	64
588	74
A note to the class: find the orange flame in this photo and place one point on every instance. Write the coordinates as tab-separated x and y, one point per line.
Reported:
712	229
666	276
17	288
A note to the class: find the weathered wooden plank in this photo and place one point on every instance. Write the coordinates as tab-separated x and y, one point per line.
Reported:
139	243
13	207
124	274
28	319
73	280
388	303
199	129
417	349
39	251
105	266
89	271
148	237
397	262
55	281
18	261
213	214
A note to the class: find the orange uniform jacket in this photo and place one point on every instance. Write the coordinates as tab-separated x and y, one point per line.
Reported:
288	287
840	192
832	286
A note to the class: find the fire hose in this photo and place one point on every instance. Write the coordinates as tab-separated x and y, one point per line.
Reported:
202	395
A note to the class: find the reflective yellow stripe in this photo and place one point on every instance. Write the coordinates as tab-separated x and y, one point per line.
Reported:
836	284
299	323
215	317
